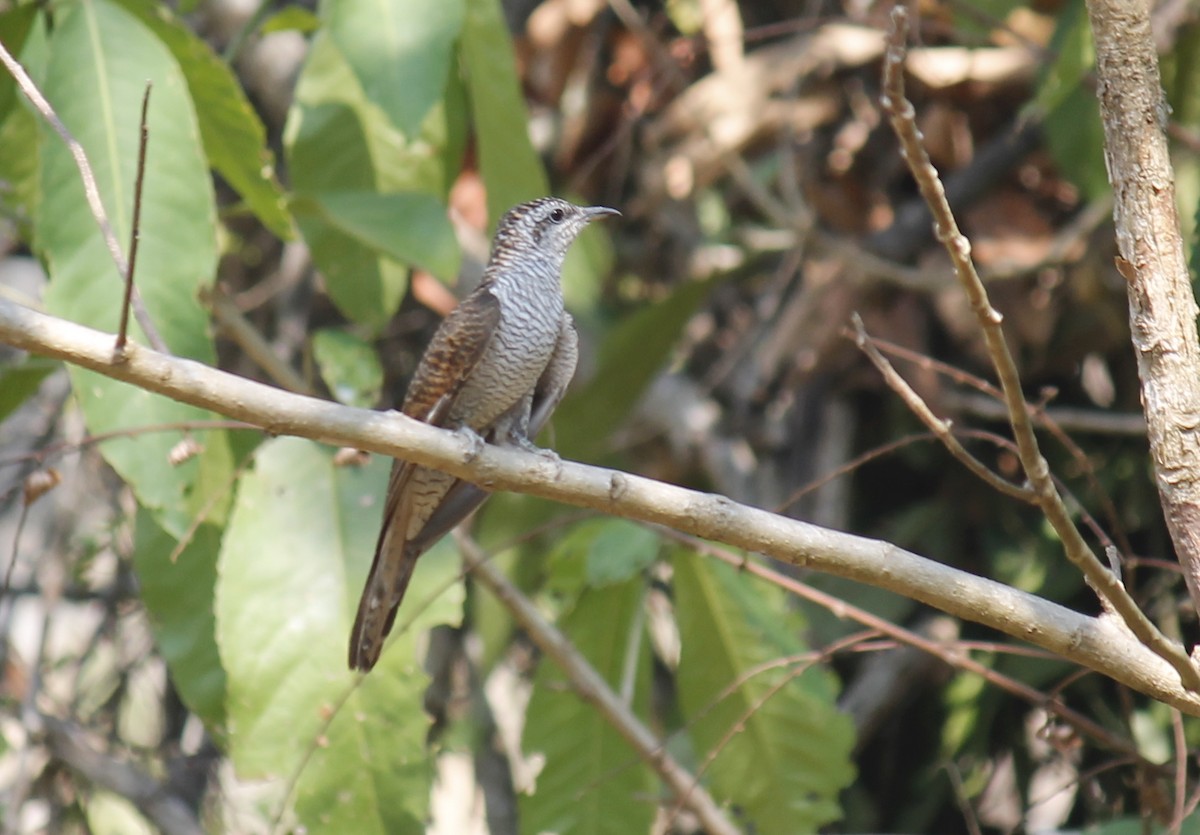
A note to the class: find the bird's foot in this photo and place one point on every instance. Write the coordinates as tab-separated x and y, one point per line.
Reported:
547	455
475	441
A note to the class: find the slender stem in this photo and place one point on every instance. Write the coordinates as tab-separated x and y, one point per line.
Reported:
135	234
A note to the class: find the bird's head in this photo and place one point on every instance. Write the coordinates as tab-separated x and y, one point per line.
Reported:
543	228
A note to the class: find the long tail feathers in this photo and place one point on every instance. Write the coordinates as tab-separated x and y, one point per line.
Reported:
390	574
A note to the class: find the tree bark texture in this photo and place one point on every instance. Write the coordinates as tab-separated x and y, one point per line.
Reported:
1162	308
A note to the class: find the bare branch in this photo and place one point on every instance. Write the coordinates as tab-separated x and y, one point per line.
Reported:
1108	587
70	744
1099	643
939	427
1162	308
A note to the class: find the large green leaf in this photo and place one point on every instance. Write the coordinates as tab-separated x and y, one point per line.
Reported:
18	382
292	565
782	750
100	58
1074	132
178	596
593	782
339	143
634	351
14	27
412	228
601	552
511	168
234	137
399	50
349	366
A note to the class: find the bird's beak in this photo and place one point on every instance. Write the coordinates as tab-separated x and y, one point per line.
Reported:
595	212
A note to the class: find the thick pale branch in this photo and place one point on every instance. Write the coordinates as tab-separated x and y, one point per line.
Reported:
1162	308
1099	643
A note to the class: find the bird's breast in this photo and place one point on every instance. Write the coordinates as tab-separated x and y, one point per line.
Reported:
515	359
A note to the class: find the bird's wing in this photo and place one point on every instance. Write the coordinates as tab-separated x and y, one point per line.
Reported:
462	499
457	347
552	385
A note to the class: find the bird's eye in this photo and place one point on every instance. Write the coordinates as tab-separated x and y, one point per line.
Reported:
557	216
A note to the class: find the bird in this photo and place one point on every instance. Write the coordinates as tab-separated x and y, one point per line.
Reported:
497	366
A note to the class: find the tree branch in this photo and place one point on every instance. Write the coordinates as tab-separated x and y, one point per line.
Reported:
1162	308
70	744
1102	643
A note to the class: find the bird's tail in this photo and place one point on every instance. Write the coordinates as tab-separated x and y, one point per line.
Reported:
386	584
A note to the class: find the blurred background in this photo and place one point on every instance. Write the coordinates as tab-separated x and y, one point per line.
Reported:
763	203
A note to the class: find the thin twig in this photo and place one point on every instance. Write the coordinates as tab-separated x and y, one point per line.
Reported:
1052	420
594	690
939	427
136	232
90	190
164	809
238	328
1108	587
1181	764
954	655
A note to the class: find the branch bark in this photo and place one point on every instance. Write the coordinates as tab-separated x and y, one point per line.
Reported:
1101	643
1162	309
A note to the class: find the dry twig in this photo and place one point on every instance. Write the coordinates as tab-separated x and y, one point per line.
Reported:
1110	589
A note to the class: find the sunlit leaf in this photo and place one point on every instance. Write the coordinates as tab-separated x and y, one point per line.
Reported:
234	137
400	51
780	751
511	168
292	566
593	782
100	58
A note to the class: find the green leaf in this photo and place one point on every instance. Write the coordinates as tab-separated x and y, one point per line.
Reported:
349	366
19	382
409	228
602	552
100	58
511	167
234	137
291	19
593	782
782	751
20	186
1074	132
634	350
1074	58
291	569
399	50
340	143
178	596
14	28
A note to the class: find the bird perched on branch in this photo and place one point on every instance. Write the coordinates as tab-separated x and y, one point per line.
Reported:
497	366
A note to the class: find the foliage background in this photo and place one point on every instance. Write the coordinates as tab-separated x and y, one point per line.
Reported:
182	599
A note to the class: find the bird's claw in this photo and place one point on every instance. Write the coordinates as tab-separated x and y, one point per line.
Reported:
547	455
475	441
